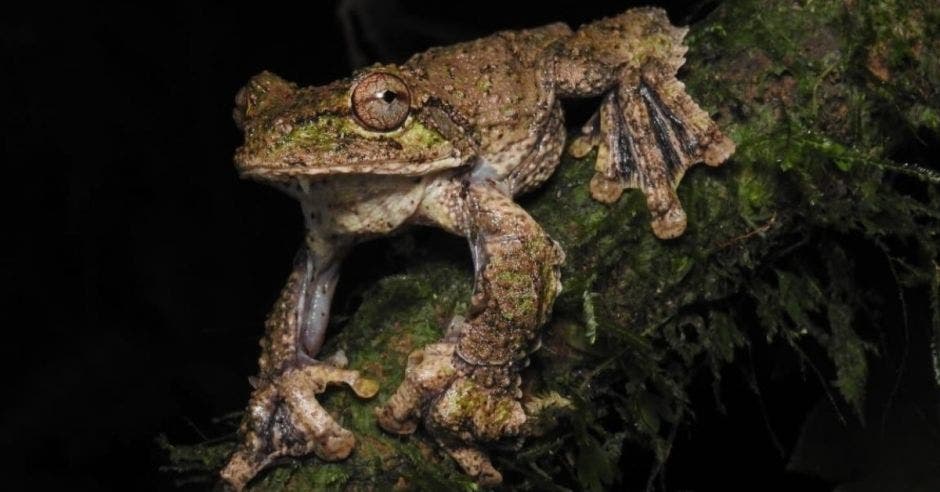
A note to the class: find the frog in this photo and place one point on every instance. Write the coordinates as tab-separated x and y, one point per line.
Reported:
449	139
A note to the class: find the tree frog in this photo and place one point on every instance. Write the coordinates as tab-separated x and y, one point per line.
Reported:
448	139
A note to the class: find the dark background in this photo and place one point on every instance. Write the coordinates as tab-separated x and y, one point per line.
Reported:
139	268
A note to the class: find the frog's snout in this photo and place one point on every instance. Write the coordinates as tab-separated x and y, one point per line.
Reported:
262	93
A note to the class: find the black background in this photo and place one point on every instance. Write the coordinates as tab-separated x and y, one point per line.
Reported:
140	268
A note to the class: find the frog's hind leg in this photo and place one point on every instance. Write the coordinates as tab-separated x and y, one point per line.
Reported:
648	131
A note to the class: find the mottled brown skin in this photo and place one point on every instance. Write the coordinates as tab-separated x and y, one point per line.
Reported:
448	139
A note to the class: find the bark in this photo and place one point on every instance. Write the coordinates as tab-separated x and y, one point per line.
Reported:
829	104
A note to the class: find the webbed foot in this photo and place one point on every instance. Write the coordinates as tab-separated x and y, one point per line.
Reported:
285	419
648	132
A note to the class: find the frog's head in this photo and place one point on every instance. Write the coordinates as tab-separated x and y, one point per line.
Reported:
371	124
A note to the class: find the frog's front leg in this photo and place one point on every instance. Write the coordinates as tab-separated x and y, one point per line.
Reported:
648	130
283	416
466	388
296	327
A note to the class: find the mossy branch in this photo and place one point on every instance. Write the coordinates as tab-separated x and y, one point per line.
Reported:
834	107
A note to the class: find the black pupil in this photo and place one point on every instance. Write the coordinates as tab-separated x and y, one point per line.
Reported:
389	96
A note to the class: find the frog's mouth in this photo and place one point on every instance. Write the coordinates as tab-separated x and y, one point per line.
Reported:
295	170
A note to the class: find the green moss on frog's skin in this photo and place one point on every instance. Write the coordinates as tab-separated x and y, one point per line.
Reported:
327	133
503	412
470	399
323	133
418	136
518	283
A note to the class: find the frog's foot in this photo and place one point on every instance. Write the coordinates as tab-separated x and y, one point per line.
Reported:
284	419
647	134
460	403
429	371
475	463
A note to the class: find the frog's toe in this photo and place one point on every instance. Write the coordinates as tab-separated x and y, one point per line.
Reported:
581	145
429	371
648	134
460	404
476	464
337	359
284	418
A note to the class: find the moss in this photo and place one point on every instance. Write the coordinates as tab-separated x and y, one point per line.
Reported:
325	477
194	463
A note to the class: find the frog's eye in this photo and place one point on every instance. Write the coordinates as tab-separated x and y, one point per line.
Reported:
380	101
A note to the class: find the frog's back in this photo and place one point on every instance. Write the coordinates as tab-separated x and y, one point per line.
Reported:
490	82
